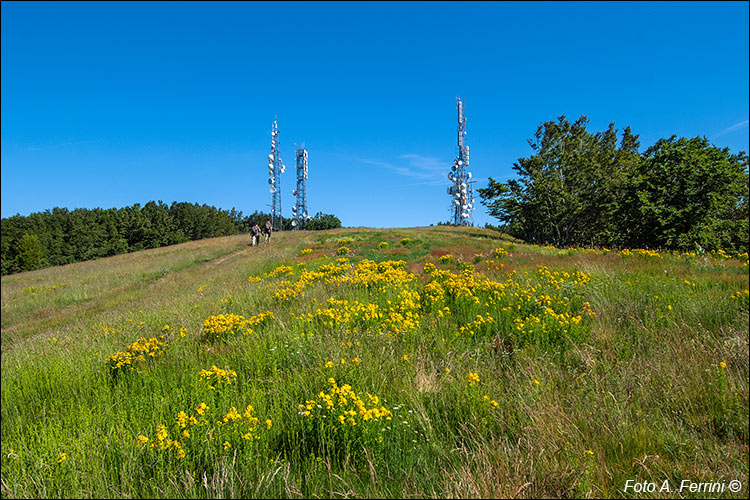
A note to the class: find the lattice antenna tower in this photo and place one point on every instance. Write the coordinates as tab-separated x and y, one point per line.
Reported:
462	190
275	169
299	211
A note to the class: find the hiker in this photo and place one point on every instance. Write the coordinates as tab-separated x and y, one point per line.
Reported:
255	231
267	230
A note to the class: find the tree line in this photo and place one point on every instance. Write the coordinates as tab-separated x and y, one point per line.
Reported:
61	236
580	188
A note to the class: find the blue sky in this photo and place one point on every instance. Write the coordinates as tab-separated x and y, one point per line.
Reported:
110	104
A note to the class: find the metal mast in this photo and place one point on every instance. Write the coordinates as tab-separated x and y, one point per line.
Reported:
462	190
275	169
299	211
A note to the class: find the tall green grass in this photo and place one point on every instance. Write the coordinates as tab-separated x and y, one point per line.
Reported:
654	387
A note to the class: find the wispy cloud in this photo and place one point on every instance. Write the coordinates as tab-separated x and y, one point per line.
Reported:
428	170
736	126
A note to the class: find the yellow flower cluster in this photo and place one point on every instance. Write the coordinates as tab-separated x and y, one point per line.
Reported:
280	270
446	258
223	326
32	290
739	294
215	327
641	252
216	376
548	328
345	241
389	273
383	244
472	379
162	442
394	317
231	427
343	251
139	351
538	304
405	241
305	251
476	324
341	406
529	302
586	308
490	402
327	273
721	253
499	253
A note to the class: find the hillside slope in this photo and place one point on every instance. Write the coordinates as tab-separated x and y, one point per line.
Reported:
429	362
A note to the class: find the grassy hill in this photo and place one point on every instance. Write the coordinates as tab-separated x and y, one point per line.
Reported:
424	362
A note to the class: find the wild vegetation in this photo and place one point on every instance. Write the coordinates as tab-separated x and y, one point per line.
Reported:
432	362
59	236
582	188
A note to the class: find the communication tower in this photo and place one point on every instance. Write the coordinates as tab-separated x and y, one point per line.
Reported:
275	169
462	190
299	211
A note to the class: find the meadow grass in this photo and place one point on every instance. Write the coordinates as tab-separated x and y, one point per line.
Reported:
477	366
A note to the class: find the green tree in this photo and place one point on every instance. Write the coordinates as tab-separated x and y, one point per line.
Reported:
82	234
569	191
30	253
322	221
691	194
579	188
